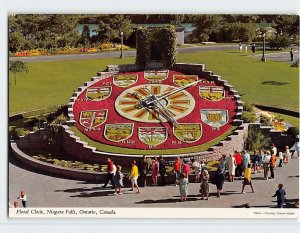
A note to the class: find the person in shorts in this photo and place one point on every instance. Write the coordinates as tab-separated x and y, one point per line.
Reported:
134	174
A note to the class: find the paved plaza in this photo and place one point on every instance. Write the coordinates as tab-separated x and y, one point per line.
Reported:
47	191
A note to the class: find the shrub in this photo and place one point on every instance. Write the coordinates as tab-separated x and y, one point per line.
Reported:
257	139
21	131
293	131
248	107
61	119
280	42
249	117
265	120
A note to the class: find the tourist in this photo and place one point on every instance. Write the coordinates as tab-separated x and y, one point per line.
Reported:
245	159
204	187
231	167
280	194
280	159
287	155
183	186
253	49
222	164
266	164
260	157
16	204
219	179
118	180
144	168
177	169
155	167
274	149
247	179
197	168
134	173
162	170
240	47
186	169
110	173
23	198
272	164
239	165
255	161
292	54
246	48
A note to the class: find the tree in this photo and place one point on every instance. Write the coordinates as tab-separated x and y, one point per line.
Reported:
280	41
110	27
242	31
257	139
85	38
287	25
206	25
18	67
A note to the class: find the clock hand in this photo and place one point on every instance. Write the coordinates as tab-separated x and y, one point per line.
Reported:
174	91
162	109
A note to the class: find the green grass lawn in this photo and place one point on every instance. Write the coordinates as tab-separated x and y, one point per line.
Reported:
52	83
253	79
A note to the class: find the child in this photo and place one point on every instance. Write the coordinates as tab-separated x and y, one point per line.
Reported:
204	185
280	194
23	198
183	186
280	159
118	179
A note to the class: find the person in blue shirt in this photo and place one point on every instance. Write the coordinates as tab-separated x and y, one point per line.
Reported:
280	194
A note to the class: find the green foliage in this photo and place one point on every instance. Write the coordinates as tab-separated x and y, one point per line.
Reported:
293	131
54	138
248	107
47	31
206	25
111	26
85	38
249	117
168	46
61	119
265	120
142	47
287	25
163	38
242	31
21	132
280	42
257	139
17	67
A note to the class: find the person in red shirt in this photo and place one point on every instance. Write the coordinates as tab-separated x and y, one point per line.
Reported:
110	173
177	169
239	164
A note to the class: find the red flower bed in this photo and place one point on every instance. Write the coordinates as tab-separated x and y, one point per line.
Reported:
172	142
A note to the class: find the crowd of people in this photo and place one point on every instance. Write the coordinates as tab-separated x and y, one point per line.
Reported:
238	165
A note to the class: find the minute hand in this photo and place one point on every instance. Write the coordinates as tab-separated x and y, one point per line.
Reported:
173	92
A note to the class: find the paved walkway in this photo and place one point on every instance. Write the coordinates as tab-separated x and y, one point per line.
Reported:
47	191
194	49
282	56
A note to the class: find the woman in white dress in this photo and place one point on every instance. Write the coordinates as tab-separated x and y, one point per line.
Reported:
231	167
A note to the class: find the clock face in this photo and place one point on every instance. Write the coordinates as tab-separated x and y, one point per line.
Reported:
160	110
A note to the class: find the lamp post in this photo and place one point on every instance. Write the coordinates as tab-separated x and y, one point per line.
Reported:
264	48
122	35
